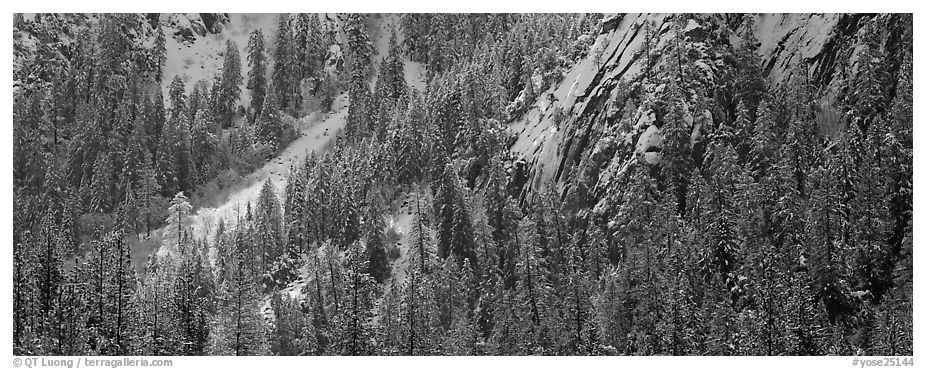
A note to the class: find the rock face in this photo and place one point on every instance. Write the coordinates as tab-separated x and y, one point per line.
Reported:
584	126
189	27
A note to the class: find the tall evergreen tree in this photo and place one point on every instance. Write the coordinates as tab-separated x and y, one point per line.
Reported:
257	74
280	78
230	88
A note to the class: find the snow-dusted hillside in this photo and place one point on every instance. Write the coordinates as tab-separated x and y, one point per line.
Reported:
318	129
380	27
399	217
586	102
317	134
200	57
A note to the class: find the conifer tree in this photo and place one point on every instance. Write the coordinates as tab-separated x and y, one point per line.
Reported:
352	328
358	44
257	74
292	333
375	251
238	328
178	233
102	185
268	231
280	78
147	189
269	125
230	88
192	301
155	309
455	230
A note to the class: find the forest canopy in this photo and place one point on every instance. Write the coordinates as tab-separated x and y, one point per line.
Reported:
770	217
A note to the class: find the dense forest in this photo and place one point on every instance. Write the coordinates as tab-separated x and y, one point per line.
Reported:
783	228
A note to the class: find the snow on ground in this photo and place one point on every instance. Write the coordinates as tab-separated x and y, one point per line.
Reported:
401	222
379	29
650	138
318	130
415	74
203	58
294	289
314	138
402	211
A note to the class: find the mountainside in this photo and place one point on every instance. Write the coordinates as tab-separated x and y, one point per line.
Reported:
462	184
586	125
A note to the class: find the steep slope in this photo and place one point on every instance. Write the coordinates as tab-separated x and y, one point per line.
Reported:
195	57
380	28
317	134
585	116
399	216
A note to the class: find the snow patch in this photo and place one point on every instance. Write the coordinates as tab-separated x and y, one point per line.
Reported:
651	137
317	131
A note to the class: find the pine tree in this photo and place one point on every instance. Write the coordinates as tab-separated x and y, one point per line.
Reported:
352	328
122	285
611	313
178	232
110	287
390	82
192	301
177	99
257	74
238	328
102	185
825	240
71	317
230	85
748	83
578	335
463	336
160	52
298	69
868	99
455	230
25	286
502	217
154	115
155	309
421	252
269	125
280	78
676	150
764	145
419	316
893	330
203	148
374	237
359	46
268	231
292	333
723	199
50	264
388	328
147	189
295	210
639	237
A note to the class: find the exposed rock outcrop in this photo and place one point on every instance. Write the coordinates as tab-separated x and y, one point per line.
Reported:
586	124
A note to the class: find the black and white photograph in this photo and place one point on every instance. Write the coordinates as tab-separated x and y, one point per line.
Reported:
461	184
